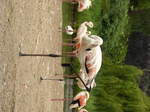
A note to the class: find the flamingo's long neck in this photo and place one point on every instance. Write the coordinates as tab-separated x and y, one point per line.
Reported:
85	23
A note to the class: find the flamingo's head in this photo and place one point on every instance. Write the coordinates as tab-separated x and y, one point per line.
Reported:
87	95
68	27
89	89
90	24
69	30
88	33
90	85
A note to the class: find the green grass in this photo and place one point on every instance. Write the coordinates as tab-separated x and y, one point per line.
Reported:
66	21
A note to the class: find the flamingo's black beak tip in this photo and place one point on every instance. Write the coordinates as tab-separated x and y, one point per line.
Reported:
89	89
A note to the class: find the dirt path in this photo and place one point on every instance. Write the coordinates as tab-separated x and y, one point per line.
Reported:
33	25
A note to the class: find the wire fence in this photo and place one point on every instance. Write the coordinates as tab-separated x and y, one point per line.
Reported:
68	94
69	82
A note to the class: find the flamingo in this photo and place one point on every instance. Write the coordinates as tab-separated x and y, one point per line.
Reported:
69	30
73	44
82	31
80	84
82	110
80	100
90	60
82	4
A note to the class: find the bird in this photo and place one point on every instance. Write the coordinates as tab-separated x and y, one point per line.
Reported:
70	1
90	58
82	110
69	30
82	31
82	4
83	77
80	100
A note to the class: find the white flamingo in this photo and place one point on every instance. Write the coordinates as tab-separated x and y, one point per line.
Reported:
73	44
90	58
82	31
80	100
84	78
82	4
82	110
69	30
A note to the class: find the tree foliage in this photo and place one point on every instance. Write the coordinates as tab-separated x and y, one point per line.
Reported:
117	91
140	4
140	21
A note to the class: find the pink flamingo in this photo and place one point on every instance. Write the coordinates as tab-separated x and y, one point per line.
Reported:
82	4
80	100
69	30
82	31
80	84
90	60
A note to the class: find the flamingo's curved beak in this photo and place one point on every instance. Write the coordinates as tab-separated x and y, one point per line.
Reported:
89	89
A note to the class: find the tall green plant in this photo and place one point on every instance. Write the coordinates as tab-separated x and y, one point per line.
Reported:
117	90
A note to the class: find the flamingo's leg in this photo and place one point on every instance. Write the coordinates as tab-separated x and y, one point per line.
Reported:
70	44
67	75
76	38
62	31
70	1
65	52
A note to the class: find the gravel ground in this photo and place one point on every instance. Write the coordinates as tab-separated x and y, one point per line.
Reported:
32	26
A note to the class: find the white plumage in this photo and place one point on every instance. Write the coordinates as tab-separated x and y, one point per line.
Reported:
82	31
82	100
69	30
90	60
82	4
82	110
